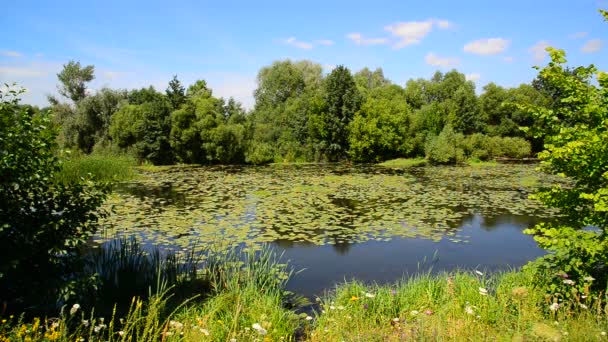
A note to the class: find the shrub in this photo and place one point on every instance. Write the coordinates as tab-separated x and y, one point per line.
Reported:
575	133
446	148
42	223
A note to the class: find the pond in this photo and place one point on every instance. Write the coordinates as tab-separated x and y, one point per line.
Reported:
340	222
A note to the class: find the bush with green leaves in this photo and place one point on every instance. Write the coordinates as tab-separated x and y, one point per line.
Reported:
446	148
576	147
43	223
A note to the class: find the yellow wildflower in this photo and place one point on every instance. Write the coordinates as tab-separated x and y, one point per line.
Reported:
354	298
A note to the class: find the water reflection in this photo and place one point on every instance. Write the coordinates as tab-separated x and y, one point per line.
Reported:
496	243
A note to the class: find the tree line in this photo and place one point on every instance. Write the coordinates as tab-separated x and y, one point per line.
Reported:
302	114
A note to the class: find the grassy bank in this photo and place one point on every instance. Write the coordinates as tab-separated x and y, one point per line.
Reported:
102	168
247	302
404	162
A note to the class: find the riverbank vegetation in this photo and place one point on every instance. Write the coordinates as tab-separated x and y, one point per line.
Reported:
302	114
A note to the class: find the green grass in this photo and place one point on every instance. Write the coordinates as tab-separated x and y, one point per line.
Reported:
404	162
481	163
102	168
451	307
247	302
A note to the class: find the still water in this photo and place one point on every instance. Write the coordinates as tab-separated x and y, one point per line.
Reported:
495	244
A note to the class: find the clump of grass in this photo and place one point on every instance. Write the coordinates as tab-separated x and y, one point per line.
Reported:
101	168
245	300
458	306
404	162
123	269
482	163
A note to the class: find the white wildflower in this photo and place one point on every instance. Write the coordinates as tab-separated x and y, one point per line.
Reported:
121	333
204	331
74	309
257	327
603	333
308	318
589	279
331	307
583	306
396	319
233	340
469	310
568	281
369	295
483	291
85	322
554	307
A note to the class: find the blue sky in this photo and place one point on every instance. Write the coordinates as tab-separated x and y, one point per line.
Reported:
134	44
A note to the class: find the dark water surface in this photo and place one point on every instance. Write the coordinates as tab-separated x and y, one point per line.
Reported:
495	245
339	222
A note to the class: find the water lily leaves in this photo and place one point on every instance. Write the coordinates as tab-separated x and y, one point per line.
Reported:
319	204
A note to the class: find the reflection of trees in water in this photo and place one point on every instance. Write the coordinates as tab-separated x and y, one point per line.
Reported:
342	247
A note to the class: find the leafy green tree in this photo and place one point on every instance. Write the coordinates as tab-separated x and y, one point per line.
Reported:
43	225
206	131
379	130
286	97
93	114
575	136
73	78
342	101
368	80
277	83
144	126
176	93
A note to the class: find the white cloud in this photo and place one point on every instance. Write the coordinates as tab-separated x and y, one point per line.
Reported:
18	72
8	53
593	45
412	32
360	40
325	42
538	50
112	75
472	77
489	46
299	44
508	59
443	62
578	35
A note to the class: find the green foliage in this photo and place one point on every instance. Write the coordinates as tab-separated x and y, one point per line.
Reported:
446	148
176	93
379	130
206	131
73	80
342	101
87	123
43	223
450	147
575	133
144	126
99	167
